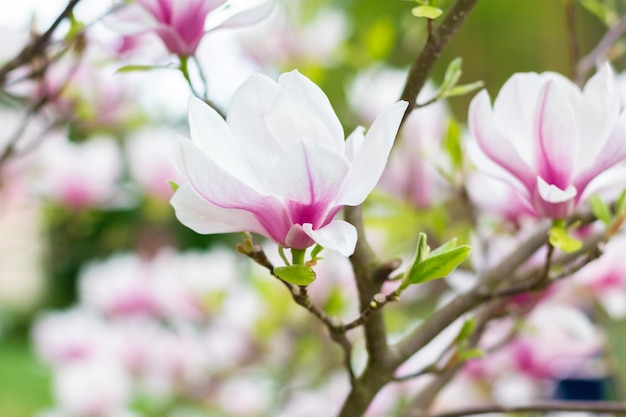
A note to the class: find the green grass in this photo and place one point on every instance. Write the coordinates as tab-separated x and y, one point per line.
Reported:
24	383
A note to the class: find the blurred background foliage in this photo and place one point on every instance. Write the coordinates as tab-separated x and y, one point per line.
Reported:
500	37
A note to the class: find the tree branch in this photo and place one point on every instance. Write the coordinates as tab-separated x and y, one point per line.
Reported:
599	53
37	46
436	41
572	38
487	281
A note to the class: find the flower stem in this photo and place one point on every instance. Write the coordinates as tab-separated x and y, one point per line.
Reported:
297	256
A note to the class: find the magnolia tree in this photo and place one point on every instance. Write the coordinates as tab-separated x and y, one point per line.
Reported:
275	259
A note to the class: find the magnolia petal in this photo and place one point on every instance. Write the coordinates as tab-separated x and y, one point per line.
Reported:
301	111
354	142
610	182
492	169
309	173
246	119
131	19
597	113
239	13
211	134
613	152
338	235
370	158
514	110
212	182
494	144
205	218
553	194
557	136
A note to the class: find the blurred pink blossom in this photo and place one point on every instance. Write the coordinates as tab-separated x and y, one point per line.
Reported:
79	175
556	341
549	139
181	24
498	199
149	159
412	173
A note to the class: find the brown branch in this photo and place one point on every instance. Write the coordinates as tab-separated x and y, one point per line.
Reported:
572	38
599	53
542	407
427	395
301	296
487	281
437	40
37	46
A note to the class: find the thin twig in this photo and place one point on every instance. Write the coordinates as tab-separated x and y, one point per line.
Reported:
599	53
572	38
301	296
37	46
437	40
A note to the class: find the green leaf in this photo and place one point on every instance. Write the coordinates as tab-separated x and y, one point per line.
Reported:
561	240
173	185
428	12
600	209
438	266
449	245
422	248
461	90
468	328
131	68
76	27
452	76
470	354
300	275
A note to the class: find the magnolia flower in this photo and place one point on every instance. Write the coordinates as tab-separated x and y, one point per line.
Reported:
549	139
181	24
279	165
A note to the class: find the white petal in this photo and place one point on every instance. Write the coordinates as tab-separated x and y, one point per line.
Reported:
301	111
596	114
514	110
610	183
613	152
211	134
553	194
309	173
246	119
556	135
338	235
131	19
490	168
494	143
371	157
354	142
212	182
239	13
205	218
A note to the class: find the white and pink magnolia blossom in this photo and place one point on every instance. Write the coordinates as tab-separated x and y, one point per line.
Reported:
181	24
550	139
279	165
79	175
99	387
